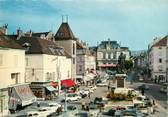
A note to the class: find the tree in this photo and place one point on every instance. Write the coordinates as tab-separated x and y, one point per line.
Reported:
128	64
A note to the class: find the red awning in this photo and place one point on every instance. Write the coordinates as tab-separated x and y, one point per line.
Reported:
54	84
68	83
107	65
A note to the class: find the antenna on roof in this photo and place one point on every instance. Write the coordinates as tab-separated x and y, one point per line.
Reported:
62	18
67	18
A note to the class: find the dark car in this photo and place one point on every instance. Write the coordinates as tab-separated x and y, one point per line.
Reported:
71	107
100	102
97	100
143	87
110	112
92	105
83	95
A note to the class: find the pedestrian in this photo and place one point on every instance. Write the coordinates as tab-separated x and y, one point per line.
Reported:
154	102
83	105
38	104
108	87
89	94
87	108
142	91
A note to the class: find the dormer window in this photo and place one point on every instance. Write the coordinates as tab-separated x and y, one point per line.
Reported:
42	36
60	34
26	46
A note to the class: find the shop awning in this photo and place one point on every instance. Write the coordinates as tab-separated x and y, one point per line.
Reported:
25	94
54	84
50	88
68	83
107	65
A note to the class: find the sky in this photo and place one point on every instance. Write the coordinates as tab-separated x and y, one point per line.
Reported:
133	23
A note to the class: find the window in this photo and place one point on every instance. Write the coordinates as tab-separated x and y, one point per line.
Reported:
160	60
80	68
47	76
1	59
73	48
73	60
53	75
16	60
27	62
68	74
109	56
114	55
104	55
33	72
15	78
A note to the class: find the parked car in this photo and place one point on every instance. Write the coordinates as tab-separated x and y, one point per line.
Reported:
132	113
73	97
54	106
143	87
71	107
92	87
100	102
91	90
84	92
110	112
103	84
33	113
141	79
92	105
163	88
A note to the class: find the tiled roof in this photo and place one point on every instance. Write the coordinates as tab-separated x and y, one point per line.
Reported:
41	46
39	34
6	42
162	42
64	32
79	45
1	33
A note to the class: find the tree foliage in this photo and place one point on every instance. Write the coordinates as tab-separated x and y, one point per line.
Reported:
128	64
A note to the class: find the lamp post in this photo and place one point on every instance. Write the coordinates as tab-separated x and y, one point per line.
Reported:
65	106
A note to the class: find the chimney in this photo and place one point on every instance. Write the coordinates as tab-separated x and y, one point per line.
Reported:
6	29
19	32
30	34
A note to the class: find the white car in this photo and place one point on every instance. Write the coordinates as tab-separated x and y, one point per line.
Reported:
84	92
89	89
72	97
92	87
33	113
54	106
102	84
41	112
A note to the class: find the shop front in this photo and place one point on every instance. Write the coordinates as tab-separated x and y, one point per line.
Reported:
44	90
89	79
20	95
4	102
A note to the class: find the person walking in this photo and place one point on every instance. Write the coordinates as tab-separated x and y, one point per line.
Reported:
89	95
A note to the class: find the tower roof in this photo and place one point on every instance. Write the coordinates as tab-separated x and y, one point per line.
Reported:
162	42
64	32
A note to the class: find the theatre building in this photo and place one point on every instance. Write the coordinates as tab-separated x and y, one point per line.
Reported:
108	53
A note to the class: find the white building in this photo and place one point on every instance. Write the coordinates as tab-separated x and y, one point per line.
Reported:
86	60
157	59
45	61
65	38
12	69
